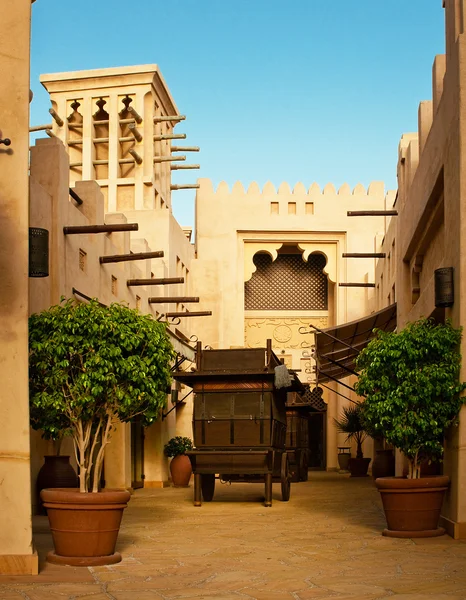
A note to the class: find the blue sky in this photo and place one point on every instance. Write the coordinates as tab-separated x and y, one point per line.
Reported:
279	90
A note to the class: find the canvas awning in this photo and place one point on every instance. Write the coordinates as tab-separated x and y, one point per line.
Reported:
182	347
336	348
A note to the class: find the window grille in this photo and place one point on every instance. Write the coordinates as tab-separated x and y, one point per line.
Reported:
288	283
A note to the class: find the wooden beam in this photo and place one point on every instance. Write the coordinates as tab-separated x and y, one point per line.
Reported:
159	159
203	313
42	127
58	120
372	213
114	227
169	118
185	148
153	281
137	157
125	257
178	167
363	255
136	115
362	285
185	186
171	299
170	136
135	131
75	196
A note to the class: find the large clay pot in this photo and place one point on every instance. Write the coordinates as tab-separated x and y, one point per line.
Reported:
358	466
383	464
412	506
56	472
84	525
181	470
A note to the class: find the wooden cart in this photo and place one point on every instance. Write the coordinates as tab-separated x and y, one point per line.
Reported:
239	420
297	443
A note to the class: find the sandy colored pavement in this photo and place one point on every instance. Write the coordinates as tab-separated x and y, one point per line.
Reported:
324	543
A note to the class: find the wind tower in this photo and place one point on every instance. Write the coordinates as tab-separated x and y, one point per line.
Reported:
118	127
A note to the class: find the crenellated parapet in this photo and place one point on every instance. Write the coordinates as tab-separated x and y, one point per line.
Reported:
284	189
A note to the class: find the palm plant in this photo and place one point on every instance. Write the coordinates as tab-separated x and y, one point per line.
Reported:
350	423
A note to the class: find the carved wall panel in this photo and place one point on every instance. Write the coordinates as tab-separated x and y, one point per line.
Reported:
283	331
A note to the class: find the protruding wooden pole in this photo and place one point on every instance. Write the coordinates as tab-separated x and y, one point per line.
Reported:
169	118
50	133
113	228
126	257
171	299
372	213
42	127
135	155
362	285
178	167
363	255
75	196
170	136
154	281
56	117
185	148
134	130
159	159
202	313
136	115
185	186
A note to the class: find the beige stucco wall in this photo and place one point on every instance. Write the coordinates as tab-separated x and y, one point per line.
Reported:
430	227
16	549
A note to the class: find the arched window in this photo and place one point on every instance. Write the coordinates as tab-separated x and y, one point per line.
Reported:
288	283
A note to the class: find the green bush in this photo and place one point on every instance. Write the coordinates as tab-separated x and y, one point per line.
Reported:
410	383
177	445
91	366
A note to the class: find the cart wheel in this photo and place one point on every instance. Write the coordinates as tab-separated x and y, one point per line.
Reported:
285	478
208	487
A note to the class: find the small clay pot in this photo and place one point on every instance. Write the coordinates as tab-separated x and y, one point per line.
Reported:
181	470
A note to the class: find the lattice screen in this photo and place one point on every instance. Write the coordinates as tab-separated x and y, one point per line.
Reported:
288	283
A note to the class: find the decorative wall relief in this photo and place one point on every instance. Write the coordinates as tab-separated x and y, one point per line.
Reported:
283	331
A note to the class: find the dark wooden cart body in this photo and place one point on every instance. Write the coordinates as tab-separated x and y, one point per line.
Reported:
297	443
239	420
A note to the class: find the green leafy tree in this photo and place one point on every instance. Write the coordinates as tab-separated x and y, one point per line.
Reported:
91	366
350	423
410	381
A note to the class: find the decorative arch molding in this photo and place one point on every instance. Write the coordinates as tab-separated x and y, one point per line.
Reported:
250	249
327	250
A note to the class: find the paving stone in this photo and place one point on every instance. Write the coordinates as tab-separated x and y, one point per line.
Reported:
325	543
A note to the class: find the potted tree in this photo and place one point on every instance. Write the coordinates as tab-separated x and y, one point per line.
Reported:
350	423
91	366
412	395
180	465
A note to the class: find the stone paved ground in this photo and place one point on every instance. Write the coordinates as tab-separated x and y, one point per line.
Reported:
325	543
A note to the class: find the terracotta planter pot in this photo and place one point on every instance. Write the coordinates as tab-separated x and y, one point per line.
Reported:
358	466
56	472
84	526
181	470
383	464
412	506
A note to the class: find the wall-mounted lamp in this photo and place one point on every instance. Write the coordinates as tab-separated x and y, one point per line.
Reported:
444	290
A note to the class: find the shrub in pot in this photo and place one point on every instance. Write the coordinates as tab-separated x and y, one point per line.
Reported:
180	465
350	423
412	395
91	366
